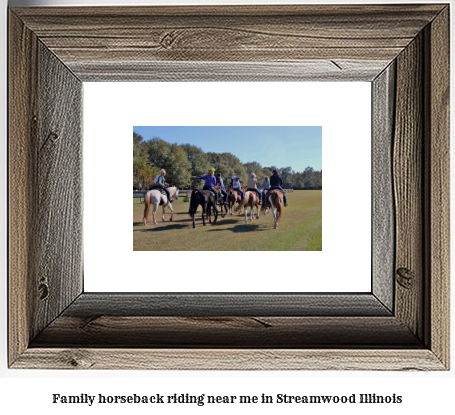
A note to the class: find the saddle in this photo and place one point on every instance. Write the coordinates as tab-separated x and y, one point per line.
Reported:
160	189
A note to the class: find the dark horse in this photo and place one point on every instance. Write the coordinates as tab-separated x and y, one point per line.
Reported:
207	201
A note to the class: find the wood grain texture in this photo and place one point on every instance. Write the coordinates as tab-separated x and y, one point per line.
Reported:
308	71
227	34
229	359
256	332
57	248
383	215
408	188
22	94
215	305
53	49
438	198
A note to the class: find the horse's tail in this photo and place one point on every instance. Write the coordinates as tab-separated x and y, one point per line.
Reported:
147	206
243	202
265	202
193	205
278	205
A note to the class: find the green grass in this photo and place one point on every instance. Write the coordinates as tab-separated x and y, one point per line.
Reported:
300	229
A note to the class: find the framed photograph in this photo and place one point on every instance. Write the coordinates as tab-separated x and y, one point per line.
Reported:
400	323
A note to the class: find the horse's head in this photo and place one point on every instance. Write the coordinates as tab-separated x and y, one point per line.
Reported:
176	194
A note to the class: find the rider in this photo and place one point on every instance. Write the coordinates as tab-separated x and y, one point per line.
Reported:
235	185
159	182
275	183
253	186
265	188
219	181
210	183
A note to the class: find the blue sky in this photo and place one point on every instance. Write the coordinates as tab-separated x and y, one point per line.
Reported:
298	147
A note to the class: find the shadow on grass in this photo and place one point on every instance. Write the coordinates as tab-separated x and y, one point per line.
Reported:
164	228
227	221
250	227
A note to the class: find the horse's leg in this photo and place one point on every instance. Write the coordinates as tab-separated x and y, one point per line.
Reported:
203	214
215	213
172	211
155	208
163	211
275	216
246	213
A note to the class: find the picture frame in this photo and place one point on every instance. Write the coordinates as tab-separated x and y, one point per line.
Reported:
402	324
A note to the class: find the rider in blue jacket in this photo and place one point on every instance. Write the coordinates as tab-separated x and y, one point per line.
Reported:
210	183
159	182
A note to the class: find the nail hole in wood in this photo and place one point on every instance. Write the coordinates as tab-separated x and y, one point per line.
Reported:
43	291
405	278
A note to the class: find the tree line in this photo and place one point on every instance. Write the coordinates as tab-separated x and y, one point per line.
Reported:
181	161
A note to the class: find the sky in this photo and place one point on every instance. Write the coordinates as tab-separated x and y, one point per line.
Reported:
298	147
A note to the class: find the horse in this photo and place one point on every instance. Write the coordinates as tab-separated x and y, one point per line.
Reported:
251	199
207	201
155	197
218	189
275	198
233	198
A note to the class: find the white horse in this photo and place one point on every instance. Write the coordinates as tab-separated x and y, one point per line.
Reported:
250	199
155	197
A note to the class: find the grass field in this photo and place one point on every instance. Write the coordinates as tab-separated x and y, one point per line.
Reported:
300	228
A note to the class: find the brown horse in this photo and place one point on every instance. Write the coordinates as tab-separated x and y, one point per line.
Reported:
233	198
275	199
250	200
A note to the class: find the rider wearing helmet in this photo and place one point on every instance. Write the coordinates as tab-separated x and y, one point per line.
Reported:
235	183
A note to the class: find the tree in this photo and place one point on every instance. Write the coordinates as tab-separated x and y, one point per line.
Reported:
263	173
178	167
144	171
253	167
228	165
158	152
286	176
312	179
199	162
185	160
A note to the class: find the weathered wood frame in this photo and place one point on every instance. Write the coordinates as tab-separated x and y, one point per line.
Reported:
403	50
